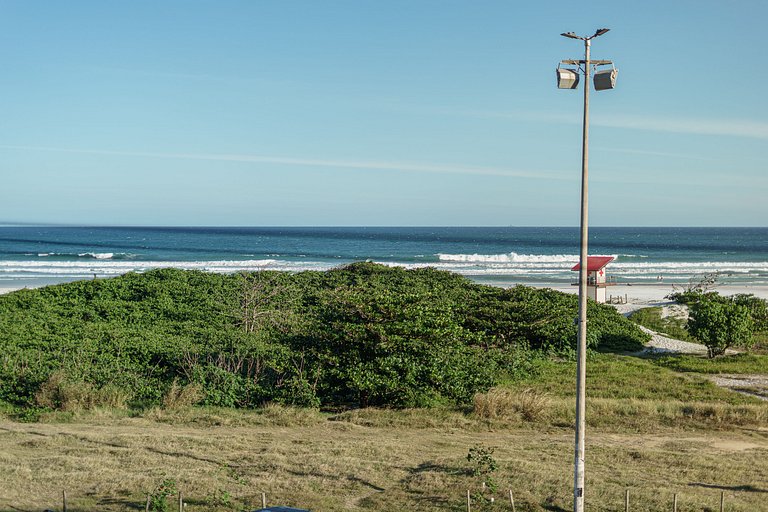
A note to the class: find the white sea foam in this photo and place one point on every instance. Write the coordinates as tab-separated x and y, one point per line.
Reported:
98	255
115	267
511	257
540	268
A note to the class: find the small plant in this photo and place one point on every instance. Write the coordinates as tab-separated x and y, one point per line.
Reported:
698	286
483	465
158	499
221	497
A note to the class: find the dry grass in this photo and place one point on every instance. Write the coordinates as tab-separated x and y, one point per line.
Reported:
527	404
649	429
371	460
652	416
61	393
178	397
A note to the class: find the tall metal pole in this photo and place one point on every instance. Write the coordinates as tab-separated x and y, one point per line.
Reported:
581	364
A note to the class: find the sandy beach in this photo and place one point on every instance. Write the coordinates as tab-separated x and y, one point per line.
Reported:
655	294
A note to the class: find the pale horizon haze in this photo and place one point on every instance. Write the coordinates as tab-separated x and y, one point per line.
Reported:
396	113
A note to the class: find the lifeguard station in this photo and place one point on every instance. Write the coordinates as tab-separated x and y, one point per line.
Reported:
597	280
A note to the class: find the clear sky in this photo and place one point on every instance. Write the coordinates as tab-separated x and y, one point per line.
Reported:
363	112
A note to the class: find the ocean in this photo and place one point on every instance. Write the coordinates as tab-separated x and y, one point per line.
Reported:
34	256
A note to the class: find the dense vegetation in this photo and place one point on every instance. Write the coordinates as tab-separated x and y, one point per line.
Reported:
360	335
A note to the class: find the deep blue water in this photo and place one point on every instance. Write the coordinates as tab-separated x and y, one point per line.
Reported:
502	255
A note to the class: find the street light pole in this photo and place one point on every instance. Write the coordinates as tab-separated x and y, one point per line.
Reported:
581	364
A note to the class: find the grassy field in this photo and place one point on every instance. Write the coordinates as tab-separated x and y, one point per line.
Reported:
651	429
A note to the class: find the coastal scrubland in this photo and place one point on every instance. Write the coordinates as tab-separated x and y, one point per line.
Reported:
363	388
361	335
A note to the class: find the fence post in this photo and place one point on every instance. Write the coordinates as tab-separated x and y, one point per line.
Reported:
626	500
512	500
149	496
64	501
469	502
181	503
263	500
674	503
722	501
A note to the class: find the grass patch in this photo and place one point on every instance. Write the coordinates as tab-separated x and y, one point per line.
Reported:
527	404
178	397
417	419
269	415
761	343
734	364
625	377
382	465
671	327
62	393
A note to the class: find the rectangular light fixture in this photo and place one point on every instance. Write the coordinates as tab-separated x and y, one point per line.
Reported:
567	78
605	79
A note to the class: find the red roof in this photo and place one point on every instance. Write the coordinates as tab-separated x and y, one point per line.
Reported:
595	263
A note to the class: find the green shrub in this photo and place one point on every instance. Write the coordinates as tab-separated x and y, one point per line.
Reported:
720	324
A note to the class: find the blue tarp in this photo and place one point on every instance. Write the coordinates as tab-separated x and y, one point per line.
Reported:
281	509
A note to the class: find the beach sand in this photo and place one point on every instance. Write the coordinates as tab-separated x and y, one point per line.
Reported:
656	293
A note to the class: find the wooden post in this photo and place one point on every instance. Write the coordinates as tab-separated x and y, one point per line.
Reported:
512	500
149	499
469	502
722	501
674	503
263	500
64	501
626	500
181	503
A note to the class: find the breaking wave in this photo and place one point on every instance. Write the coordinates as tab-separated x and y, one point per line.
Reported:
512	266
88	255
511	257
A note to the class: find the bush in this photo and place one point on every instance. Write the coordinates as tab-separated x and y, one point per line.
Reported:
720	324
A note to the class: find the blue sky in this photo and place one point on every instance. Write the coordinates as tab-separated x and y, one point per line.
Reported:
379	113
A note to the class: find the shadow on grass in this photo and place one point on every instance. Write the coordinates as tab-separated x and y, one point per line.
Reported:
350	478
620	344
124	503
439	468
735	488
